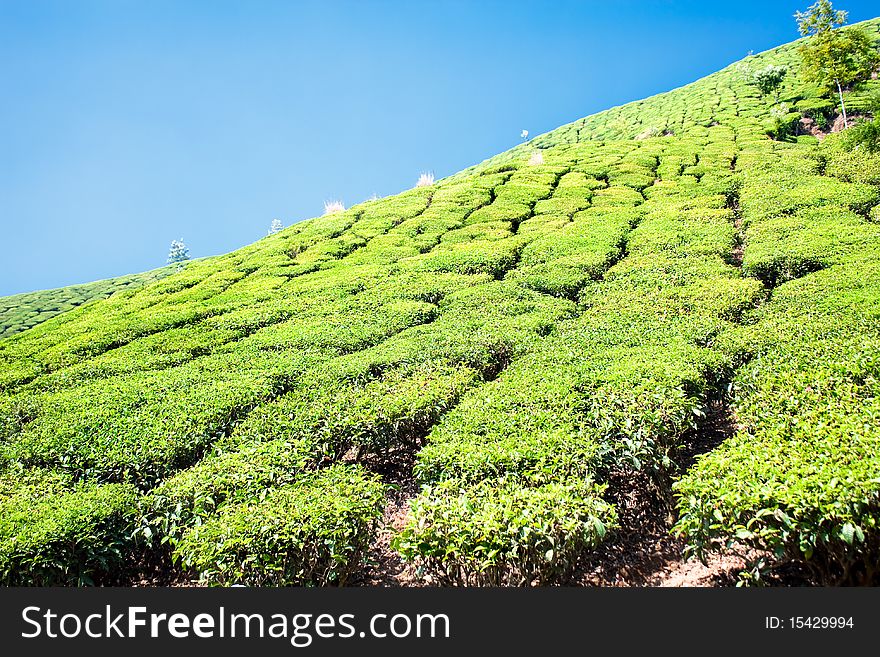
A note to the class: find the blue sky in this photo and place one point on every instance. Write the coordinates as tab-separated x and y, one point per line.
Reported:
124	125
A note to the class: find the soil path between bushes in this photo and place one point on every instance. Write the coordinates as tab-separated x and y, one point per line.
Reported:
385	567
652	558
643	554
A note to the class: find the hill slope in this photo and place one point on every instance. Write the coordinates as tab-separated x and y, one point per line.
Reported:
537	341
19	312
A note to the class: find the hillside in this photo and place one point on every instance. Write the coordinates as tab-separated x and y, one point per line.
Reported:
656	314
19	312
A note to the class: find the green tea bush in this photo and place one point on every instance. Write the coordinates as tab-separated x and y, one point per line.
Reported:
23	311
561	264
522	426
798	482
781	124
493	257
193	495
784	192
503	534
854	166
382	414
818	109
315	532
139	429
864	136
790	246
53	533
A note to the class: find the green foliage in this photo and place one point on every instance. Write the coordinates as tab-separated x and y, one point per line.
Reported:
140	428
381	414
193	495
834	58
820	19
543	334
818	109
503	534
54	533
315	532
769	79
864	135
799	481
842	57
791	187
23	311
808	398
790	246
781	123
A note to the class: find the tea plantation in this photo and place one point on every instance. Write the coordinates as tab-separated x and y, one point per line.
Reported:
530	339
23	311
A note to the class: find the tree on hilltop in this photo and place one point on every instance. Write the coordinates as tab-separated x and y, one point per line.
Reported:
833	56
178	253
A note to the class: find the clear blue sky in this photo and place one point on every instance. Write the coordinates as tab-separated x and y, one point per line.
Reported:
124	125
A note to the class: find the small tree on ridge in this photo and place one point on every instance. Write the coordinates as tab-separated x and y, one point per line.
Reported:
768	80
178	253
834	57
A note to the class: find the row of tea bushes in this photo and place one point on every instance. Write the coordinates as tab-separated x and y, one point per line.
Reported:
799	481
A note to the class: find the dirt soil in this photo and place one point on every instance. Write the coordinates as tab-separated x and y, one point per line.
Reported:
384	565
808	127
656	558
